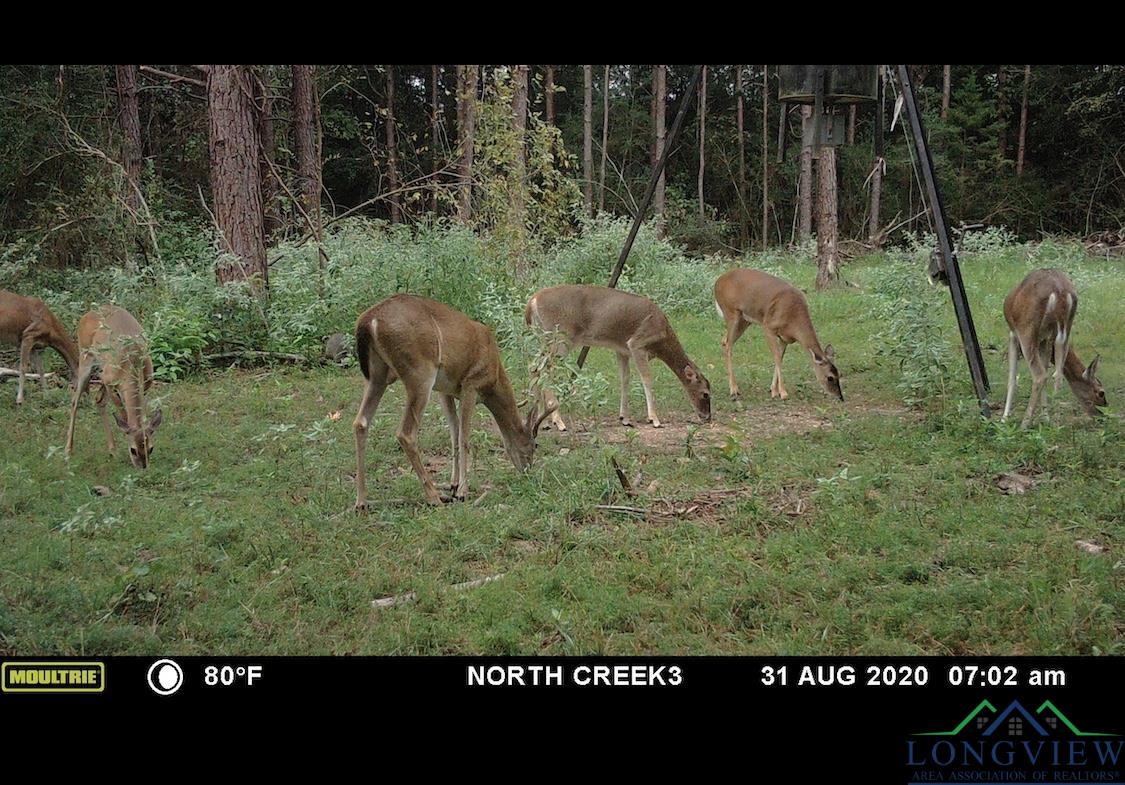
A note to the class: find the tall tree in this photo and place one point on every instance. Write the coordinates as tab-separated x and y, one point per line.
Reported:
605	139
306	142
945	90
1001	110
392	148
1023	121
236	173
805	185
659	98
549	95
466	134
765	156
744	220
702	140
270	203
588	137
827	250
877	173
519	130
851	123
129	117
435	131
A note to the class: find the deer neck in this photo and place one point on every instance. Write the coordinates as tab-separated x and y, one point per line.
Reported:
68	350
500	400
1073	369
806	336
671	352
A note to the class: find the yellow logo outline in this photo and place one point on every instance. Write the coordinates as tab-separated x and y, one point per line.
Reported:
5	687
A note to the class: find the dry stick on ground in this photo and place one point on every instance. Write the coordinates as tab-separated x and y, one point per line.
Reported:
6	372
410	596
253	354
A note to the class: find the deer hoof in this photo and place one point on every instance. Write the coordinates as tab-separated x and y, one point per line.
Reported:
626	422
361	507
735	395
655	423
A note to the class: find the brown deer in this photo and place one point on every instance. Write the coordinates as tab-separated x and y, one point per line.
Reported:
431	346
1040	313
110	340
632	326
27	322
746	296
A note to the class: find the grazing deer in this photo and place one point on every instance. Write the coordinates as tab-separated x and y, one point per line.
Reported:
431	346
28	323
1040	312
111	341
745	296
633	326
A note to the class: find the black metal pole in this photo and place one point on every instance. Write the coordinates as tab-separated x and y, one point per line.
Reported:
956	286
647	201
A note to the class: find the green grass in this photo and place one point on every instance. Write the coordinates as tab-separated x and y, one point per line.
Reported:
879	532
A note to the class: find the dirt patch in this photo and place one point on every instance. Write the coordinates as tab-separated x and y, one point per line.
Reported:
754	423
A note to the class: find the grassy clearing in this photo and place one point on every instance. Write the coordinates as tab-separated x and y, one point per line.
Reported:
855	527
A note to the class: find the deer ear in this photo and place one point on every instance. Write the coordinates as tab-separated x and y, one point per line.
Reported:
830	353
691	374
121	422
1092	368
154	423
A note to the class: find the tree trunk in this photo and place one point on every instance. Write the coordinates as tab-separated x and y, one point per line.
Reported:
129	115
659	88
827	252
702	141
236	174
744	220
805	186
392	149
605	140
549	95
1023	121
466	133
306	142
270	204
765	156
1001	112
876	196
519	129
435	132
945	91
588	137
851	124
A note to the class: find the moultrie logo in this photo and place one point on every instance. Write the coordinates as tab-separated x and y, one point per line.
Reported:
1027	746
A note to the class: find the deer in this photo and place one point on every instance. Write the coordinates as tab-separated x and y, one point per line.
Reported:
743	297
27	322
111	341
632	326
1040	313
432	347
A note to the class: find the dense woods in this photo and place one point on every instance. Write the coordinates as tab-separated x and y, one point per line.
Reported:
99	161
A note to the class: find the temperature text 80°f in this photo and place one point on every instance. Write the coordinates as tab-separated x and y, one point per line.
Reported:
230	675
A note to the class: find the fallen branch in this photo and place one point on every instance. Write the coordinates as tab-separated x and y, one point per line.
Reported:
6	372
411	596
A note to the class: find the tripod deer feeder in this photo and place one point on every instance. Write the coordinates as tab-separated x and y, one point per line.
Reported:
828	87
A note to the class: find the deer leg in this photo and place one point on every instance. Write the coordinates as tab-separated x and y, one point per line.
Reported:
736	325
549	400
25	358
417	396
1038	367
37	366
372	394
449	407
623	369
100	401
1013	376
1062	339
640	357
85	371
468	403
777	388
